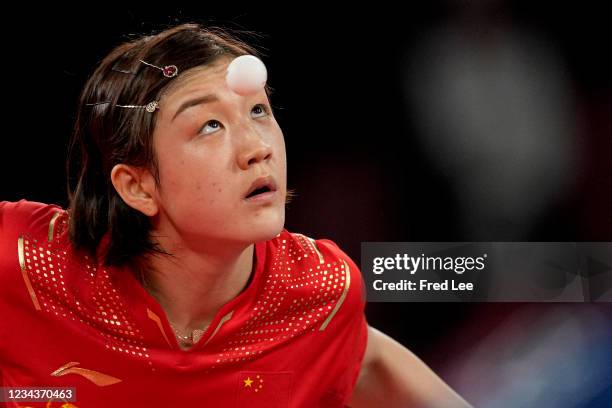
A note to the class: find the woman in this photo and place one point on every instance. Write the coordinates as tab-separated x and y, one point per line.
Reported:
170	279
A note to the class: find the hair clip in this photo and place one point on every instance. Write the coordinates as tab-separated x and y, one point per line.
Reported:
149	107
169	71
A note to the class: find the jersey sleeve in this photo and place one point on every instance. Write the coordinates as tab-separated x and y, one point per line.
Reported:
19	219
24	216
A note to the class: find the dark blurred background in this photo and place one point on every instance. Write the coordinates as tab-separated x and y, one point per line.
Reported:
436	121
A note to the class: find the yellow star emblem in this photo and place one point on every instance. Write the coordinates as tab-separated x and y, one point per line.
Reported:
248	382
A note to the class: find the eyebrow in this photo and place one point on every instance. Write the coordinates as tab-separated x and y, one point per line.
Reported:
195	101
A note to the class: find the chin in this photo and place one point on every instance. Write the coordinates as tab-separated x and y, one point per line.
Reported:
267	230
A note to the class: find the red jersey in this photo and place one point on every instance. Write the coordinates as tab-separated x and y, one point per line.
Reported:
295	337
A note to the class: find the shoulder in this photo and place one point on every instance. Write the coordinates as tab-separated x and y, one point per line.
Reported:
22	221
321	262
302	246
324	284
26	216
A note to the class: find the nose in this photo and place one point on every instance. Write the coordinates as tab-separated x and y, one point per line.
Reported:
253	148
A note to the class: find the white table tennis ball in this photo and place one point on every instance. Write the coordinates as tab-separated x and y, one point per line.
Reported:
246	75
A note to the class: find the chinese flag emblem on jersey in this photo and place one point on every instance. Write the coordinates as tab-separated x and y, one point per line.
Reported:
264	389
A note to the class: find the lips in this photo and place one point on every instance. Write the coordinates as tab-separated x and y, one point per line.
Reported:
261	185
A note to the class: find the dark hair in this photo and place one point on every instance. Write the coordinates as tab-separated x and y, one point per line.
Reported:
105	134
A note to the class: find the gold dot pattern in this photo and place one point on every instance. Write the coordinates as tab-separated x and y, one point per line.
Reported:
300	291
46	262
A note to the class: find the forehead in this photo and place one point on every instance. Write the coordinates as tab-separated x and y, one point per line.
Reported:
200	78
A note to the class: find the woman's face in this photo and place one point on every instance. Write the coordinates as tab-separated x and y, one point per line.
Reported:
213	146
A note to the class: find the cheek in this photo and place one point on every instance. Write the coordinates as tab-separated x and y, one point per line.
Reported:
279	146
208	187
282	155
202	196
190	176
185	180
215	187
209	191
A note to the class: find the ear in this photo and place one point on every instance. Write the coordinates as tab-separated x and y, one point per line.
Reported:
136	186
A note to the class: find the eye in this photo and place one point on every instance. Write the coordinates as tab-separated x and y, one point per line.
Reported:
260	110
211	127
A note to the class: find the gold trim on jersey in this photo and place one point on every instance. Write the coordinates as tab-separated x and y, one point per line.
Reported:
314	245
223	320
96	377
308	245
52	226
347	273
24	273
151	315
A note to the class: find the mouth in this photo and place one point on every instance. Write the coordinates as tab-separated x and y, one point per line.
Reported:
261	187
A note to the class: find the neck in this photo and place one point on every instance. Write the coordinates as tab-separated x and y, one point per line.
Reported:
191	285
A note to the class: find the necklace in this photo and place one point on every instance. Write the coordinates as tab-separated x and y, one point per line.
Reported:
193	338
180	336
